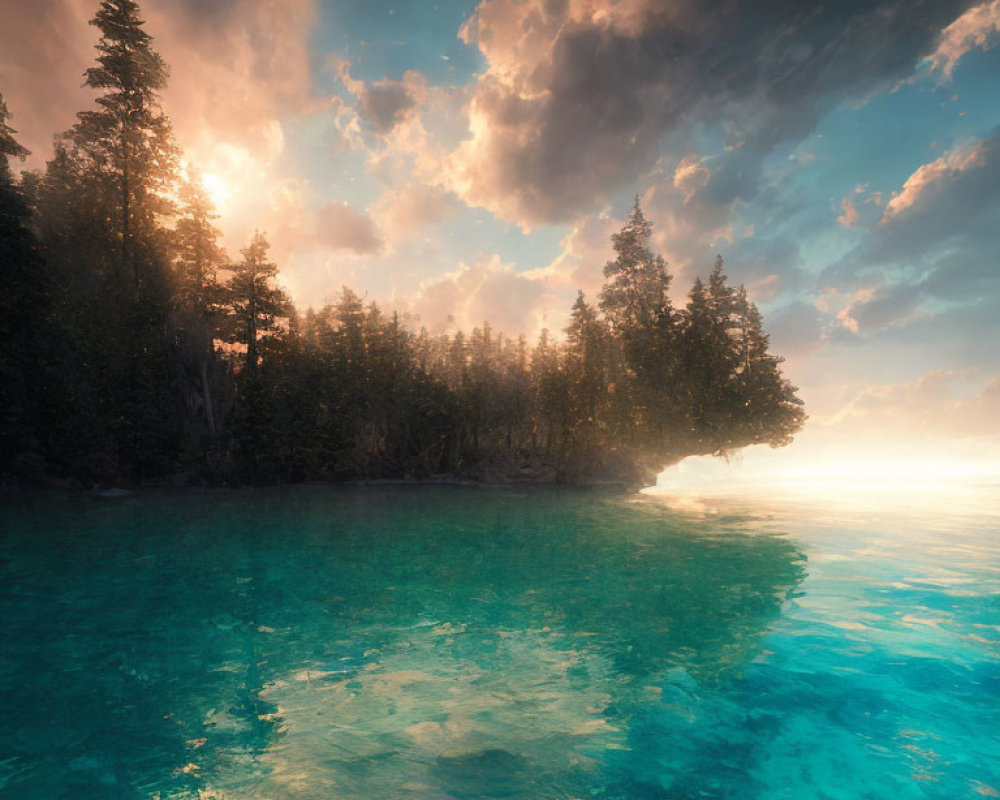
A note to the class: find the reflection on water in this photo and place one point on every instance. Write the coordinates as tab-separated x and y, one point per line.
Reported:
453	643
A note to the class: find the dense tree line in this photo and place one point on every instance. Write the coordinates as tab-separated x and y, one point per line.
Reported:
135	350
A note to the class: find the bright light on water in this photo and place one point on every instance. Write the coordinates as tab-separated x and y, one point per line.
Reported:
866	477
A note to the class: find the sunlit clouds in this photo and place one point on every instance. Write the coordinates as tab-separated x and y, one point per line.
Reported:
969	156
977	27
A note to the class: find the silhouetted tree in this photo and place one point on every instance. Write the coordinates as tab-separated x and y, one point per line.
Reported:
200	299
25	371
256	302
128	138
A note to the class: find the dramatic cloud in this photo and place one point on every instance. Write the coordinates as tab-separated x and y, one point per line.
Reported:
977	27
340	227
579	96
926	279
385	104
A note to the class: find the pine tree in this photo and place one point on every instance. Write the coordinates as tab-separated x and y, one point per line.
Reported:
634	297
199	297
636	304
769	409
128	138
25	339
9	146
710	359
551	396
255	300
587	362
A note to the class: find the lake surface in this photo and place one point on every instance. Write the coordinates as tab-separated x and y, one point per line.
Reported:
448	642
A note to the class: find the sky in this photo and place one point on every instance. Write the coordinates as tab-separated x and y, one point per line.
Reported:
464	161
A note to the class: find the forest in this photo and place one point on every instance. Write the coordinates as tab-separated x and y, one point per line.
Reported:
135	351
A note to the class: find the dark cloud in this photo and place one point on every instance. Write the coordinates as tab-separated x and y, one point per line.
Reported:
385	104
963	275
340	227
579	96
892	305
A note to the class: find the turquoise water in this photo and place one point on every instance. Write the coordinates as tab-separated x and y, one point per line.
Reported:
461	643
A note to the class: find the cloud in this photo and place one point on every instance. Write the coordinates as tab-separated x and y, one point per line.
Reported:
881	307
405	212
938	402
967	157
347	127
977	27
238	67
585	250
340	227
582	98
935	251
386	103
488	290
850	216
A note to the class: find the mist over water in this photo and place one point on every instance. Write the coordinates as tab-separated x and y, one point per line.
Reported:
457	643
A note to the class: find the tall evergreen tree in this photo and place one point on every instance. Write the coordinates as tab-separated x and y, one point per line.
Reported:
128	138
256	302
634	297
199	296
769	408
636	304
587	362
24	333
101	203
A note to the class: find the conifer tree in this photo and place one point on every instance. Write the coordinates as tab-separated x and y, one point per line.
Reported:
128	138
24	312
9	146
255	300
199	297
634	297
636	304
587	362
770	410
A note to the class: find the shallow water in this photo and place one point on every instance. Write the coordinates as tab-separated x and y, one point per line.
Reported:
460	643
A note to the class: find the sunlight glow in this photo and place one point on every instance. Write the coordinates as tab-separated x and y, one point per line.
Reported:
216	189
874	480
